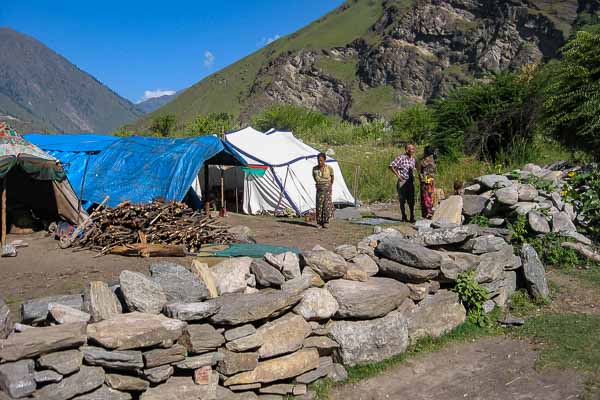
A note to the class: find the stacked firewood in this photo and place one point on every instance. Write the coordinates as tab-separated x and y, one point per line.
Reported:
156	223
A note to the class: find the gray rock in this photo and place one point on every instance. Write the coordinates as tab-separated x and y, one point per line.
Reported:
535	274
507	280
557	201
578	237
177	388
238	309
408	253
317	304
6	320
458	263
46	376
288	263
538	222
440	237
449	211
347	251
63	362
239	332
17	379
311	376
484	244
246	343
283	335
300	284
36	310
179	283
86	380
232	362
473	189
495	222
527	192
157	357
100	301
491	265
158	374
126	383
370	341
523	208
33	342
126	360
561	222
231	275
280	389
570	210
473	204
191	311
493	181
364	263
324	345
436	315
141	294
67	315
266	274
327	264
104	393
367	300
204	360
403	273
338	373
488	306
202	338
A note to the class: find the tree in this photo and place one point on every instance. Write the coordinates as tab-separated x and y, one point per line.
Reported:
414	124
288	117
163	125
213	123
571	107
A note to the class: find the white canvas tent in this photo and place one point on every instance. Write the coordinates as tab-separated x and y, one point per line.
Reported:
287	182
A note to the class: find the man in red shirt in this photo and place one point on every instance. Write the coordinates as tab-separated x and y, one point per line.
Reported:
403	167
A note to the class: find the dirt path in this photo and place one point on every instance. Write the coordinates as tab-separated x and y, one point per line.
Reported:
488	369
573	297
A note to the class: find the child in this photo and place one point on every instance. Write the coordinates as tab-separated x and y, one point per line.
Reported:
459	188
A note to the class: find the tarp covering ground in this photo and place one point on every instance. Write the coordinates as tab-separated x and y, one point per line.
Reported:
136	169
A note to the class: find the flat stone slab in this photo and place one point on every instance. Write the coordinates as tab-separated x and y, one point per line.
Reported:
370	341
128	360
135	330
238	309
245	343
266	274
367	300
191	311
436	315
176	388
86	380
404	273
232	274
36	310
63	362
204	360
535	274
408	253
104	393
233	363
202	338
33	342
100	301
179	283
159	374
283	335
6	320
447	236
277	369
126	383
449	211
158	357
67	315
239	332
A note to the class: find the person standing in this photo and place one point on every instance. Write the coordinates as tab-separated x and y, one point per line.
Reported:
323	176
427	172
403	167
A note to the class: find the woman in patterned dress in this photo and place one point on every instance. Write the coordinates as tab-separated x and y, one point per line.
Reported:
323	176
427	179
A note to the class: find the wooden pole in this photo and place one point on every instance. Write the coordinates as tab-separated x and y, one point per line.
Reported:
85	168
4	222
222	189
206	189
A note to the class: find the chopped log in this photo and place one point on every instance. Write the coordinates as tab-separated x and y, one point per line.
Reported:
149	250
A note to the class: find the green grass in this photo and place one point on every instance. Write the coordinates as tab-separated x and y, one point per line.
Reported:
380	99
344	70
465	332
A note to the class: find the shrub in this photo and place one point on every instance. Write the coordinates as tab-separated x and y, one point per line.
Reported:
213	123
288	117
583	190
473	297
518	229
163	125
550	251
571	106
414	124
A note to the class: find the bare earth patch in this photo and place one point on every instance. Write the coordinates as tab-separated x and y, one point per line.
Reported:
487	369
573	297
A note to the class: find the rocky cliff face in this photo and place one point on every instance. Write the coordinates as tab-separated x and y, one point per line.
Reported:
420	50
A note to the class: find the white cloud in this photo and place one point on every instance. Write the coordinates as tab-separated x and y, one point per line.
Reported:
267	40
209	59
151	94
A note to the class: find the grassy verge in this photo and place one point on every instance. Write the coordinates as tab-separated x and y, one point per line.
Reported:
463	333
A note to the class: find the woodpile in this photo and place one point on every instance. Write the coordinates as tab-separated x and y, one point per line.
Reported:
143	229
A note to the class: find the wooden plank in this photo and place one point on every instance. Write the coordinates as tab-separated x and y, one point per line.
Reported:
4	222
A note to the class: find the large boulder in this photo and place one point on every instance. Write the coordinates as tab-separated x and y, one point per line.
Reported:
473	204
327	264
561	222
535	274
493	181
100	301
6	320
317	304
36	310
404	273
141	293
86	380
135	330
408	253
232	274
364	263
238	309
447	236
538	222
288	263
367	300
17	378
278	369
370	341
178	283
33	342
436	315
457	264
508	196
484	244
449	211
283	335
266	274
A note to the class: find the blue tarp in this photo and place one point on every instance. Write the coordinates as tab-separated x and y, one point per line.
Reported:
138	169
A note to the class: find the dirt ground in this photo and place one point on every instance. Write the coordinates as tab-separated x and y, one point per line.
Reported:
489	369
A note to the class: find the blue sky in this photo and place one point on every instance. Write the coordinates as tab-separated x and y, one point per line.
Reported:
136	47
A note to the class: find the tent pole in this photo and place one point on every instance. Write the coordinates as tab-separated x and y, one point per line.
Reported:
4	222
222	189
85	168
206	190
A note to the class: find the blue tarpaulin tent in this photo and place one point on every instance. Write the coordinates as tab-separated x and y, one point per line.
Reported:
136	169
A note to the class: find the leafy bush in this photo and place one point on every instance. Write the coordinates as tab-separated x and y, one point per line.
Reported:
213	123
583	190
288	117
163	125
486	117
518	229
473	297
550	251
571	106
414	124
480	220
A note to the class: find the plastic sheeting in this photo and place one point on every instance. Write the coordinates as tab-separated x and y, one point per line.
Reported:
288	183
